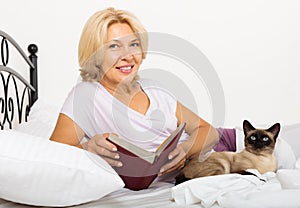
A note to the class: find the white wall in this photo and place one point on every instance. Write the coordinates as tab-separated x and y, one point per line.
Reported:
253	46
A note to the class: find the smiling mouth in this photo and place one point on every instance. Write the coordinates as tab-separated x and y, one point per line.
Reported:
125	69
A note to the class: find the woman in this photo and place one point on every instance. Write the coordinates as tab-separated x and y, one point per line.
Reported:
112	99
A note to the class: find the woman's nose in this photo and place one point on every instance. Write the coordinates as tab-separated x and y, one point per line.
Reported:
126	53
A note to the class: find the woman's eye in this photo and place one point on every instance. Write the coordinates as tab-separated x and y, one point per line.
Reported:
135	44
114	46
265	139
253	138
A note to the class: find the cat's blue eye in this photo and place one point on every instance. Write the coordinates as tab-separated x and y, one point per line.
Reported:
253	138
265	139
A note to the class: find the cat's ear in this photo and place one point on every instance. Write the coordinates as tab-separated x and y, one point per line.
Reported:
274	130
247	127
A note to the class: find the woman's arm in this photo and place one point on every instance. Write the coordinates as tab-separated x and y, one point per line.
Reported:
68	132
203	137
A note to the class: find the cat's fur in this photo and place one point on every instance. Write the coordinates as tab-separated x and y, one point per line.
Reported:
257	154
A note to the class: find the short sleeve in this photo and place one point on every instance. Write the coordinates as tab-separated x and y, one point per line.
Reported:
79	106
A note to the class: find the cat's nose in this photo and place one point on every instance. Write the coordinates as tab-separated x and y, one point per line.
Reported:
259	145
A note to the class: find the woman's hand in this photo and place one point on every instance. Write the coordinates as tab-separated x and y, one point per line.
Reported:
177	157
100	146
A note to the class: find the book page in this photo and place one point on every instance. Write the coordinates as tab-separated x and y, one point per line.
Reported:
169	139
138	151
150	157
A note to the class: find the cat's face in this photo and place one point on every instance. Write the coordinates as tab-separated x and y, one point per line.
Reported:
260	140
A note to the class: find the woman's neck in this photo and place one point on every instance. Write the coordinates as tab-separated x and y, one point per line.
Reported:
125	89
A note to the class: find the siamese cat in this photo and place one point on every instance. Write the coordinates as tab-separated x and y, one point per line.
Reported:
257	154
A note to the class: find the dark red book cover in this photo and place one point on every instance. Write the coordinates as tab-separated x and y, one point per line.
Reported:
138	173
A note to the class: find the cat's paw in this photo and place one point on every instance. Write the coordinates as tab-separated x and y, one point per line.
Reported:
180	179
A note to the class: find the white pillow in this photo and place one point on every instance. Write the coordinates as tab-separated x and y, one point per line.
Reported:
289	178
297	165
291	134
41	172
42	119
284	154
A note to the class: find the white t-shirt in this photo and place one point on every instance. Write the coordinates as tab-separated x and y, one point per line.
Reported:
96	111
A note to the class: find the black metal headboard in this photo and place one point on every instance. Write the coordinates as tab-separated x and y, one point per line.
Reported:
17	95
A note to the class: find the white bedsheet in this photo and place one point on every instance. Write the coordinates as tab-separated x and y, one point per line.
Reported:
158	195
230	190
234	190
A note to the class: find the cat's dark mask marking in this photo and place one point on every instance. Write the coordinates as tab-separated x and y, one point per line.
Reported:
259	139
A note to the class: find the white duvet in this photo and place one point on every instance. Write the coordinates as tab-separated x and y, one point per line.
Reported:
233	190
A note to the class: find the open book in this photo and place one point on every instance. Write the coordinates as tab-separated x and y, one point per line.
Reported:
140	167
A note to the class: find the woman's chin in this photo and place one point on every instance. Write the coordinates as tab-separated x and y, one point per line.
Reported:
130	79
129	83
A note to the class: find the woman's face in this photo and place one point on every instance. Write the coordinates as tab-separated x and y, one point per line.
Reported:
122	55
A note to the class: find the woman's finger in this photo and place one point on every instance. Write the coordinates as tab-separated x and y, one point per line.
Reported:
173	168
112	162
101	140
107	153
177	163
174	153
99	145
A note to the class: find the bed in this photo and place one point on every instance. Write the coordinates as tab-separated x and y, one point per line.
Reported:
37	172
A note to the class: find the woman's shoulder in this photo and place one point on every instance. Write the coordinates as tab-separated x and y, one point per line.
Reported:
151	84
86	85
84	90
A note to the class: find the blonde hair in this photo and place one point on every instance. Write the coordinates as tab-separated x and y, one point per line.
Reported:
94	35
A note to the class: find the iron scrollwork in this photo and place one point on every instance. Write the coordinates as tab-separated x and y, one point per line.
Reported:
15	96
11	101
